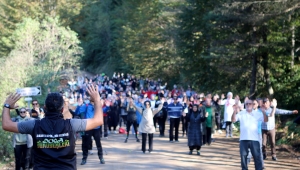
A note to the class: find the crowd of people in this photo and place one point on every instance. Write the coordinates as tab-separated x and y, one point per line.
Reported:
144	106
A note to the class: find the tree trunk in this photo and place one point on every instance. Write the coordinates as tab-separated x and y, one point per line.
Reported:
253	76
265	64
293	46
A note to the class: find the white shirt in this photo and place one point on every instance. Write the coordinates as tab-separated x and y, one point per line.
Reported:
228	109
249	124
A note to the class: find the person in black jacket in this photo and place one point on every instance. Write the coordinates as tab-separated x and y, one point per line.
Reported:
53	137
131	120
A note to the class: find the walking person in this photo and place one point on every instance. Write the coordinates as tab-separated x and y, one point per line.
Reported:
195	118
249	136
53	127
146	126
131	120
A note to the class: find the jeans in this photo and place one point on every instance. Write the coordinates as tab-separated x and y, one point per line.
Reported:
255	151
144	139
86	140
174	122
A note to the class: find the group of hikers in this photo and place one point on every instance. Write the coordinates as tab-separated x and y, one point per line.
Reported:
94	107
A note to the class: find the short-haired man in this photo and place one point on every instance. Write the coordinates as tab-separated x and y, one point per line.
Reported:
175	110
53	137
268	128
249	136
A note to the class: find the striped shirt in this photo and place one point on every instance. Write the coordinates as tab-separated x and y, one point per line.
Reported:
175	111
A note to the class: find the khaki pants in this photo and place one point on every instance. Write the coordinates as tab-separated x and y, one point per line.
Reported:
271	135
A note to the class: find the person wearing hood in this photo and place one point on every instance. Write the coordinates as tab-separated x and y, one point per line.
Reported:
146	126
228	111
195	118
22	143
53	137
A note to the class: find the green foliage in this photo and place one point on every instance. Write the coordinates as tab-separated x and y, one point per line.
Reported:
291	135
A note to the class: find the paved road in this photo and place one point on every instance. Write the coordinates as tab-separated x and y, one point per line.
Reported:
222	154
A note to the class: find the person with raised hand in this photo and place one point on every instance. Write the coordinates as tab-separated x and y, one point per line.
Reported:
146	126
53	137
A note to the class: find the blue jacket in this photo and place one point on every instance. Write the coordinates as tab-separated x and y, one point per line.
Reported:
175	111
138	114
89	111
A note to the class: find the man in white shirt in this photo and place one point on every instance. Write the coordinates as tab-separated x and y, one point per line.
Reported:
249	136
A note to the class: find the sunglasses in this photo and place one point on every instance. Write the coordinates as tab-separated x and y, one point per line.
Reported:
34	103
22	112
249	103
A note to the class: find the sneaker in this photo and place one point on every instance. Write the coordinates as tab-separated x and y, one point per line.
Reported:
126	140
198	152
231	135
102	161
274	158
83	162
91	152
171	141
176	140
220	131
137	140
264	156
191	152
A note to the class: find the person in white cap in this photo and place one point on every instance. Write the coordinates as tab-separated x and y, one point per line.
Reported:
228	111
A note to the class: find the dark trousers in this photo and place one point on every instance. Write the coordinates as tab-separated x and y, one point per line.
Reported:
124	119
134	124
144	139
228	128
255	151
105	126
86	140
194	147
155	120
207	137
162	125
174	122
271	134
21	157
184	125
218	122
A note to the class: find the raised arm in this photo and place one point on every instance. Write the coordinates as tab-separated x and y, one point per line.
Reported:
97	120
139	109
10	103
160	106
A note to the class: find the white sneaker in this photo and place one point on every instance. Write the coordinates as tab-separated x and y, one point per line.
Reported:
220	131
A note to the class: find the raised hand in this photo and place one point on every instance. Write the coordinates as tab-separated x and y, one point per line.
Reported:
93	92
12	99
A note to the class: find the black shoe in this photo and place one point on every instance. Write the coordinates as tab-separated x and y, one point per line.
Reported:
274	158
264	156
171	141
191	152
143	152
149	151
176	140
137	140
83	162
198	152
102	161
126	140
